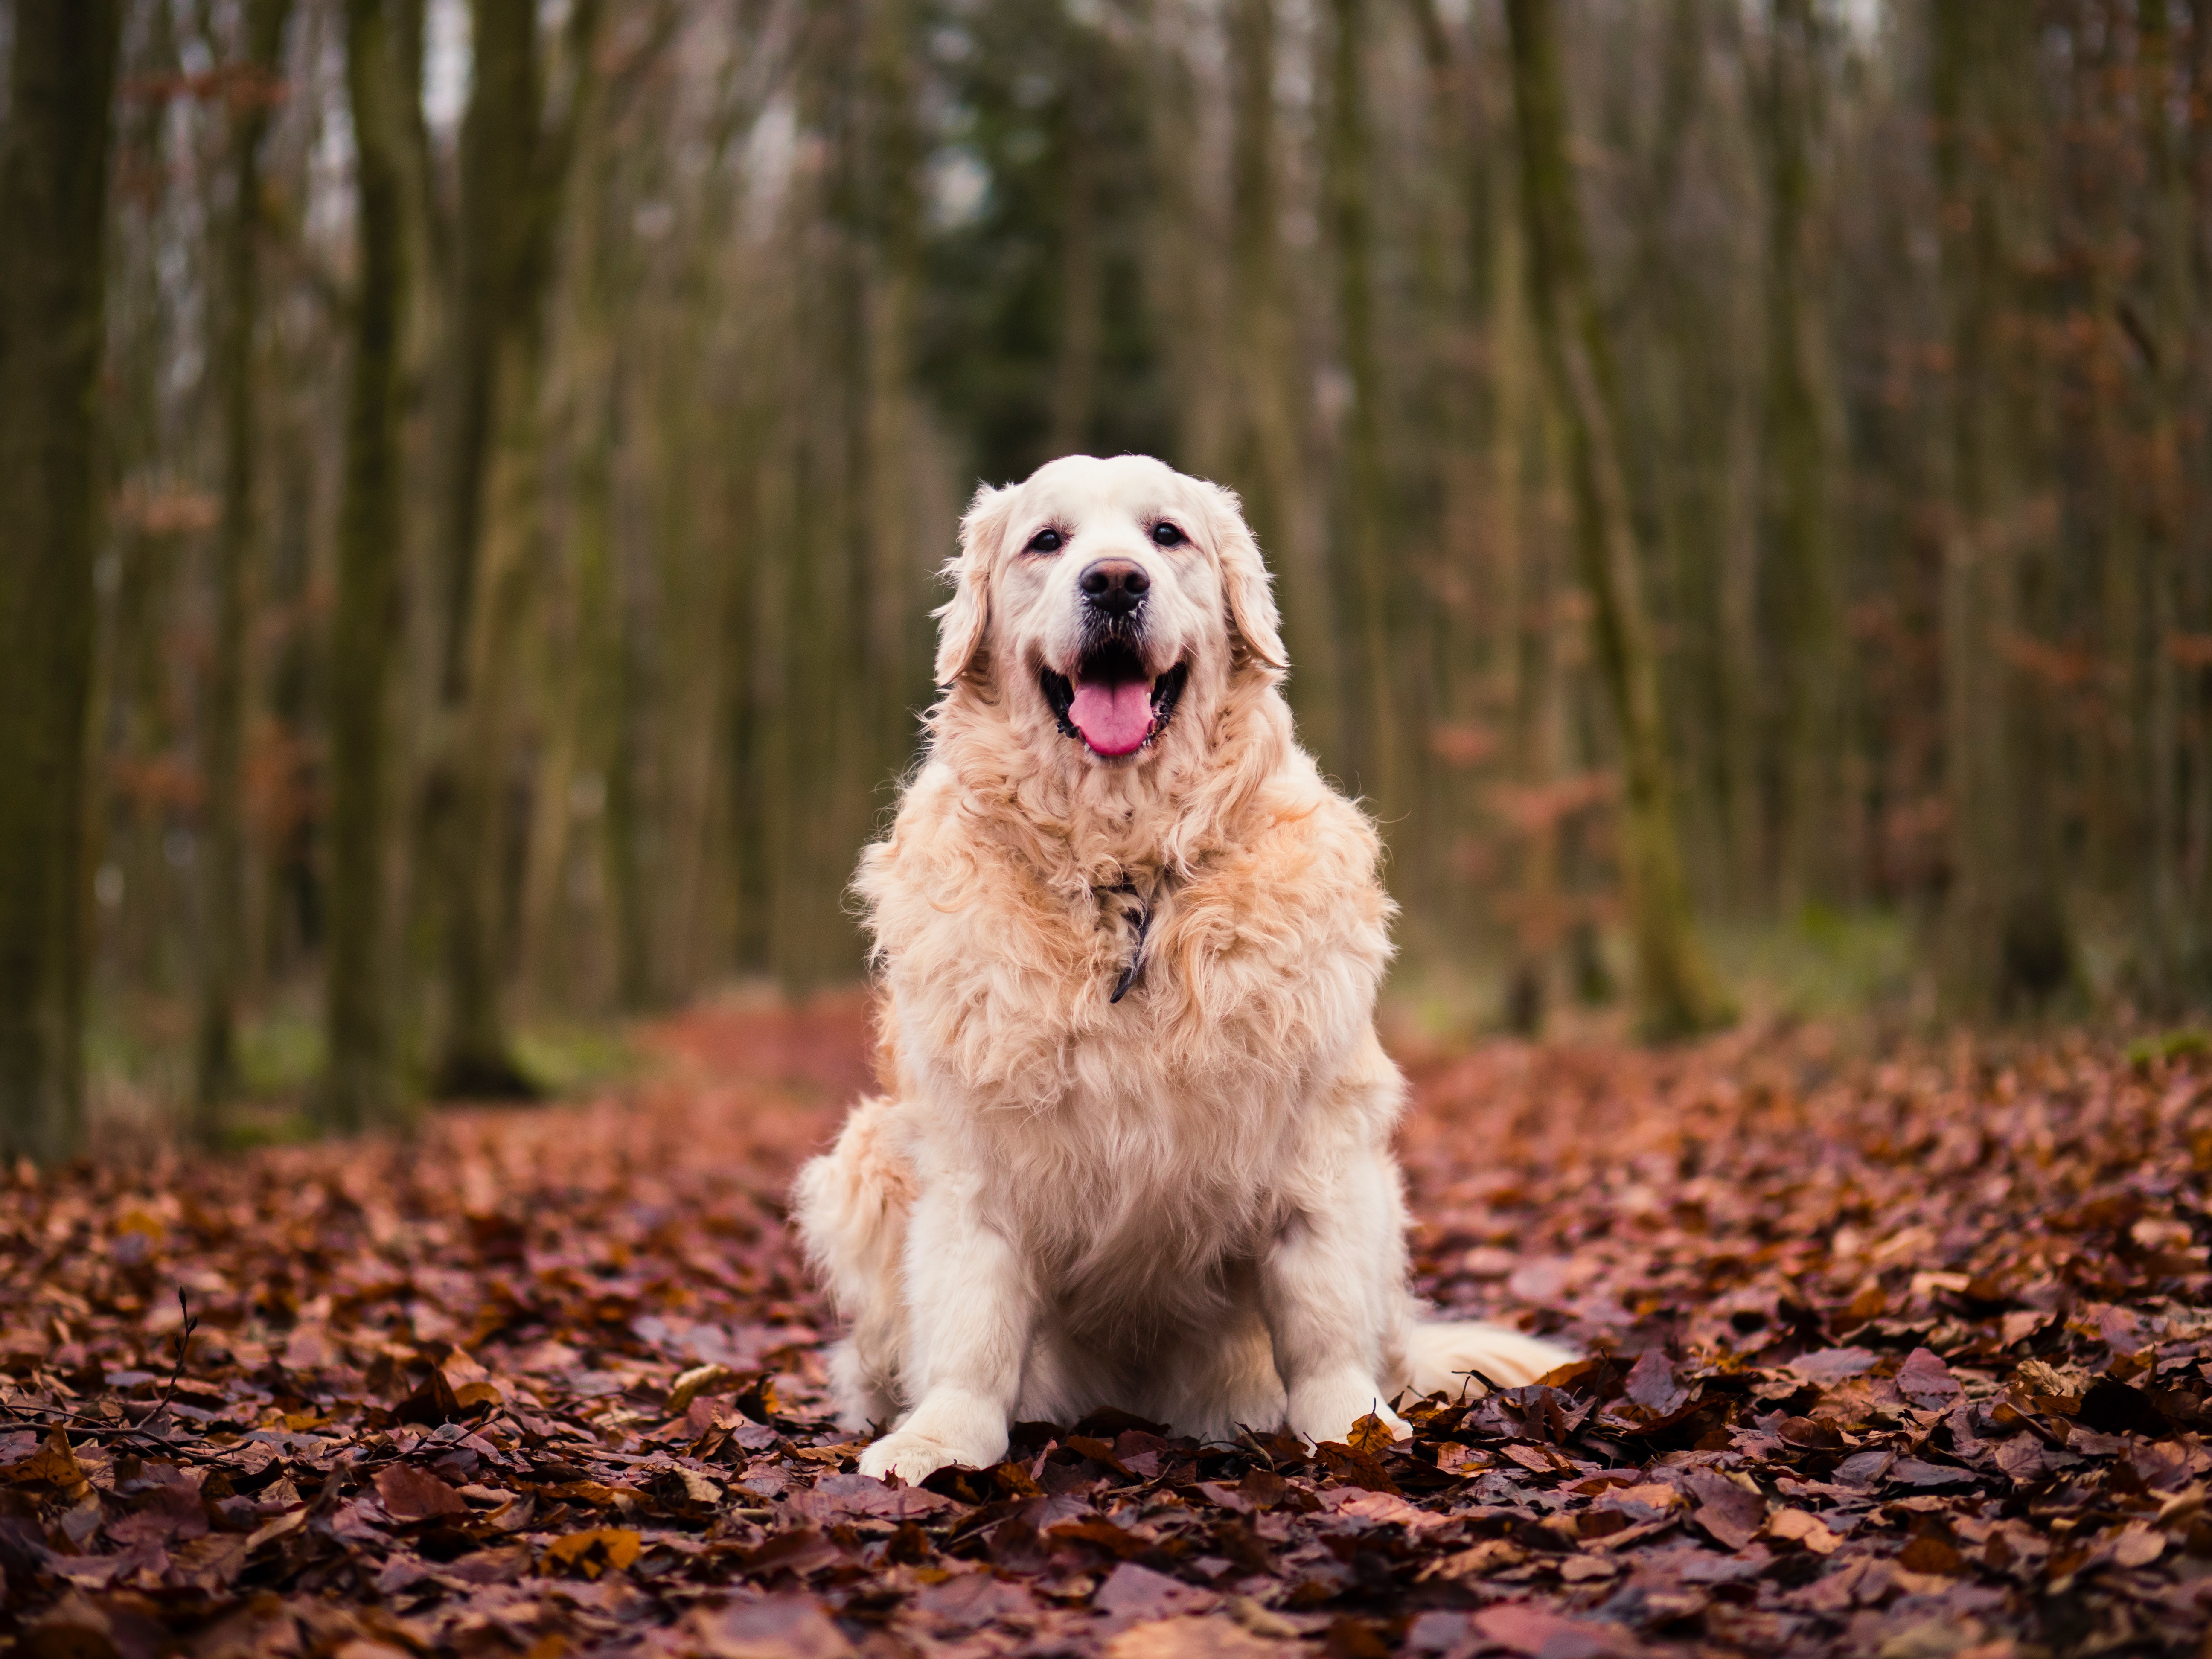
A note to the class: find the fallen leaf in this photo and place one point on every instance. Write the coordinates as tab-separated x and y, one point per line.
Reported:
774	1627
1801	1526
1370	1435
1193	1638
409	1493
700	1379
597	1550
1651	1383
1927	1381
1829	1366
1729	1513
1139	1594
1525	1627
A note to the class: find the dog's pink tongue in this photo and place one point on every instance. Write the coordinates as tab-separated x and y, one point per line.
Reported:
1115	719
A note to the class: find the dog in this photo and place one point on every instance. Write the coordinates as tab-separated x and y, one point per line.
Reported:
1135	1146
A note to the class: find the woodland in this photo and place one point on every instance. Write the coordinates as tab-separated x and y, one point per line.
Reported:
477	473
474	480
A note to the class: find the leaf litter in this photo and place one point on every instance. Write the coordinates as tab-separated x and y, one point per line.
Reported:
1902	1355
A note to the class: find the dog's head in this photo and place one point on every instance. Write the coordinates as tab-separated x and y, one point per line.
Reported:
1101	597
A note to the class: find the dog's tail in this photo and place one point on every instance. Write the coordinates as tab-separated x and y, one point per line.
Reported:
1448	1356
851	1206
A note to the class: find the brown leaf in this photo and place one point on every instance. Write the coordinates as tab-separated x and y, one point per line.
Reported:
1382	1509
1353	1468
700	1379
1809	1432
836	1498
774	1627
1491	1555
1370	1435
1525	1627
599	1550
1801	1527
1928	1553
1209	1638
2133	1546
409	1493
1138	1593
1727	1511
1830	1366
1121	1543
2113	1407
172	1512
1927	1381
54	1464
971	1600
431	1404
1651	1383
282	1527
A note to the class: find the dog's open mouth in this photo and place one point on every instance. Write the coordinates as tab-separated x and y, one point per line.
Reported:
1112	705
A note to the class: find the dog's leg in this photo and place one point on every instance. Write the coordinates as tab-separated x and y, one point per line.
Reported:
1331	1290
970	1314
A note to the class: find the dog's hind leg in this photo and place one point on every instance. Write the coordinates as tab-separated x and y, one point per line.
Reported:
1443	1358
851	1205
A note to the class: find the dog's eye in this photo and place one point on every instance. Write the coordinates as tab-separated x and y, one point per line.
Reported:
1168	535
1046	541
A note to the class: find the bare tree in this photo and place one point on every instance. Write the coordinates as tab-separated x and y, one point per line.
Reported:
1675	989
360	1087
515	165
253	92
53	201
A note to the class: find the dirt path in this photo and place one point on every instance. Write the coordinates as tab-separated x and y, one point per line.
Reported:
1908	1358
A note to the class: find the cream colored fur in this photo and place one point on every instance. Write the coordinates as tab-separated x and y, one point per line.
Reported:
1183	1204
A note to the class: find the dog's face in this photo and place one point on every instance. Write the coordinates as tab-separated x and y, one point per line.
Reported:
1096	592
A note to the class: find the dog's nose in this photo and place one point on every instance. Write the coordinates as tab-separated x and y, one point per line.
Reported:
1117	587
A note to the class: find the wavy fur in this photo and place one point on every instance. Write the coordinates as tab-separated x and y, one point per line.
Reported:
1184	1203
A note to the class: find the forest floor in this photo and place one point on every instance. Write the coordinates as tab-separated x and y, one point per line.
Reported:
1901	1354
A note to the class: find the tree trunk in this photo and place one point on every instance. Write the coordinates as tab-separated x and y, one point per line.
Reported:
1801	629
514	175
1264	459
1364	515
2005	939
223	866
1075	376
2163	936
53	202
2195	469
1676	993
359	1089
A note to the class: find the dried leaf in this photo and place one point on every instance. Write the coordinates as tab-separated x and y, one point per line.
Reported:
1651	1383
409	1493
700	1379
1927	1381
1801	1527
1370	1435
1212	1638
774	1627
597	1550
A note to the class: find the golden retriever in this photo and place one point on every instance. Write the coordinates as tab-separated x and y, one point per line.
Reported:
1136	1149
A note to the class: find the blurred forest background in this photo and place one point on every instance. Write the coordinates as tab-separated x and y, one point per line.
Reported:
472	474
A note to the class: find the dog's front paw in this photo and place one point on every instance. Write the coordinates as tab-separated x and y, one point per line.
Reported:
1328	1414
912	1457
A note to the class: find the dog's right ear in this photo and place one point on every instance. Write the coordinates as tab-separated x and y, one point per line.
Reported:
966	617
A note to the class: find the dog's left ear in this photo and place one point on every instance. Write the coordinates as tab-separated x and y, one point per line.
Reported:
966	618
1252	614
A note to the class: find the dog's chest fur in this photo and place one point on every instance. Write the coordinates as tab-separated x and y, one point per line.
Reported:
1090	1115
1129	1141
